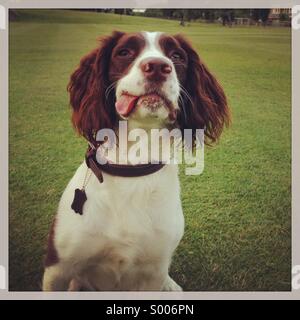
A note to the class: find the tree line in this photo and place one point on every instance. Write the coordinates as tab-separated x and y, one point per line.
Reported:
209	15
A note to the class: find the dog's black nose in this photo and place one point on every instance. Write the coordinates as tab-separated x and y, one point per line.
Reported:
155	69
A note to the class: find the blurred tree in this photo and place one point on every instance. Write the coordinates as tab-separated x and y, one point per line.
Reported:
194	14
13	14
242	13
284	17
168	13
209	15
153	13
227	16
260	14
255	14
264	15
183	15
124	11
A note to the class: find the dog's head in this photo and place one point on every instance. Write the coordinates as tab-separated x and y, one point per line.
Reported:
154	79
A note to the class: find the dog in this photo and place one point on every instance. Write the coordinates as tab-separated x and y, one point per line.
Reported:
130	226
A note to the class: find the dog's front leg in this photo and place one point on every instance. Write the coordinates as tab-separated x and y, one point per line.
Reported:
56	278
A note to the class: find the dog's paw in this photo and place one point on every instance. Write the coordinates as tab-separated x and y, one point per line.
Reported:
74	285
171	285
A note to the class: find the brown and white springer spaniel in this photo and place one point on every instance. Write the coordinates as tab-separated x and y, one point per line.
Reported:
130	227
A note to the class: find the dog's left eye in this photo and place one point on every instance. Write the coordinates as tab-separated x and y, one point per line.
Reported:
176	56
124	53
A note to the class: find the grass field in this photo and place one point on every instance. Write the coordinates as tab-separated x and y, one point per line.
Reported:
238	212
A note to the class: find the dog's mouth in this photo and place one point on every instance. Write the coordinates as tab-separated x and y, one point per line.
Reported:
126	104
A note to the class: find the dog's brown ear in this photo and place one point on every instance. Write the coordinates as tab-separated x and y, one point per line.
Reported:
206	105
87	87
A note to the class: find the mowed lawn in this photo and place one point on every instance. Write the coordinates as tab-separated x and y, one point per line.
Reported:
238	212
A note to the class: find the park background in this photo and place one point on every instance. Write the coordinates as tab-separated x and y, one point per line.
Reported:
238	212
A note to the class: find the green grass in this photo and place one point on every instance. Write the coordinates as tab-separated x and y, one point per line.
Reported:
238	212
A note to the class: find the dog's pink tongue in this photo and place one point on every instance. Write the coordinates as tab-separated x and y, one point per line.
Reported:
125	104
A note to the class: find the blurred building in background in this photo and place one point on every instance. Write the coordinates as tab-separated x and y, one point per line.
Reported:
280	14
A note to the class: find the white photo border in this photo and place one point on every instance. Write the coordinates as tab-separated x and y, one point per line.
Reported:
4	162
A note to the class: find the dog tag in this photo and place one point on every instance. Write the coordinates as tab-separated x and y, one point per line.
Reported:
79	200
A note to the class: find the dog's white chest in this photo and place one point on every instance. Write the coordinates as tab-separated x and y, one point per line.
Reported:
129	229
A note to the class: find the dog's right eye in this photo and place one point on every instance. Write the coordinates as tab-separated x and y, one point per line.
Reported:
124	53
